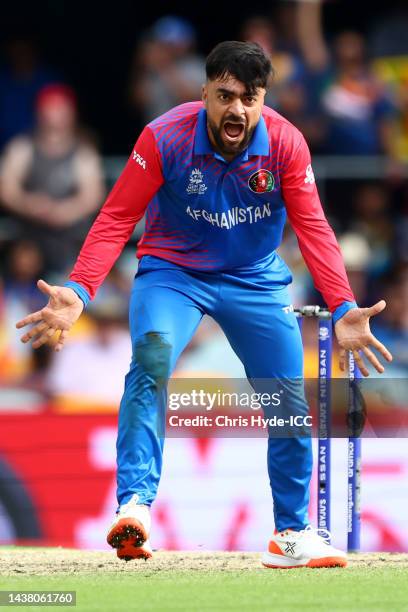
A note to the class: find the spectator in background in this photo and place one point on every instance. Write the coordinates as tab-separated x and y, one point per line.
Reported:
300	288
288	68
400	125
166	71
52	180
389	47
284	19
392	326
356	252
21	77
24	264
401	229
373	221
209	355
358	112
102	355
287	93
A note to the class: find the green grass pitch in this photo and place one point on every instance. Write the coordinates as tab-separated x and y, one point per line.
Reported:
206	581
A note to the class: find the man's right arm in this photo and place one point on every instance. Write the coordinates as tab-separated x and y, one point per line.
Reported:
141	178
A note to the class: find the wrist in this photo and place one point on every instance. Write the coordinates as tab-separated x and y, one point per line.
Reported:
80	291
341	310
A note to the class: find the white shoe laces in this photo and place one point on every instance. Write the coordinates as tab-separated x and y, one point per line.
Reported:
314	532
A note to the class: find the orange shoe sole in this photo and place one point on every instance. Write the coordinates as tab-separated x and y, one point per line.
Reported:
128	537
323	562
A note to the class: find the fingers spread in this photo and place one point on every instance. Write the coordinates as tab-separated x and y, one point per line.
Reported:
380	348
31	318
34	331
373	360
360	362
61	340
376	309
45	337
342	359
46	288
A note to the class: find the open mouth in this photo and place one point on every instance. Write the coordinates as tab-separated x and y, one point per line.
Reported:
233	131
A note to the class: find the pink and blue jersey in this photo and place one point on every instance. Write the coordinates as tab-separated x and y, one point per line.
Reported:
207	214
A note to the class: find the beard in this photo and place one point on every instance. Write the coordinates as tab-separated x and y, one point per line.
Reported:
225	147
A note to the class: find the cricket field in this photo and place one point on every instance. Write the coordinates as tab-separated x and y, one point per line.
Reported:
205	581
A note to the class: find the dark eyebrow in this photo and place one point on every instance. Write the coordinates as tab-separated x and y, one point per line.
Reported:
229	92
225	91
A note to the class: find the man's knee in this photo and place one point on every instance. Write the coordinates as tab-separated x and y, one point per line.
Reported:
152	353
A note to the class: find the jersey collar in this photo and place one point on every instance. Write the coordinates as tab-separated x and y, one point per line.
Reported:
258	145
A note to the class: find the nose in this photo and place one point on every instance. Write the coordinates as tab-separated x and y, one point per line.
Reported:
237	108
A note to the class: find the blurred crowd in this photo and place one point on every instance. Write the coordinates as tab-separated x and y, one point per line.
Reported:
348	93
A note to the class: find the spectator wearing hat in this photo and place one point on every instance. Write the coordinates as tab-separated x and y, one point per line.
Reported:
51	180
166	70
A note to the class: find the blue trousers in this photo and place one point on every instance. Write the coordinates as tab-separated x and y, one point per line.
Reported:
166	306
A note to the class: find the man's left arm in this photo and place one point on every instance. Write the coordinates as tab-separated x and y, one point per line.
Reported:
322	255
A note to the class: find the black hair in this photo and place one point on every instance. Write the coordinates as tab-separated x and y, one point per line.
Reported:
245	61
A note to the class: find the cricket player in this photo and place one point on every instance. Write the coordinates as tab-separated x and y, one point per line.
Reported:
216	180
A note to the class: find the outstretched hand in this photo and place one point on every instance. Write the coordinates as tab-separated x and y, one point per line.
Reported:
354	334
59	315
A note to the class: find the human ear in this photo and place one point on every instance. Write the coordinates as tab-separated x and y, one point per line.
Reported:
204	94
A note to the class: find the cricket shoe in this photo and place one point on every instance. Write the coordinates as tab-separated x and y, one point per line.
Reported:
129	532
307	548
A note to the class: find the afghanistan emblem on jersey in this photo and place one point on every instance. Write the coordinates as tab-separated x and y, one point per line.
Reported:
261	181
